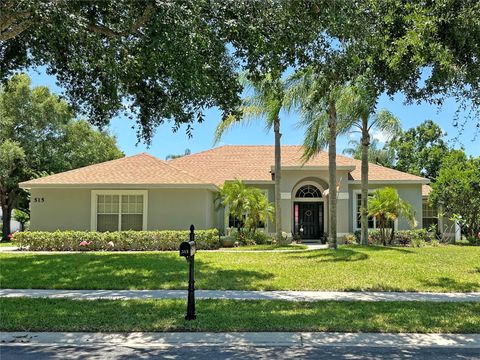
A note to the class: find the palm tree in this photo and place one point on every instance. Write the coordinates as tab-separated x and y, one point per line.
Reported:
234	195
335	113
259	209
376	155
318	102
249	205
265	104
386	206
359	101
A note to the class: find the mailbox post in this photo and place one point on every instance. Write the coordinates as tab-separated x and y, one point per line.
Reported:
188	249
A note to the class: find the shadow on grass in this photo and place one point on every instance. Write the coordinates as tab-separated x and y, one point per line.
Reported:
338	255
228	315
448	283
120	271
382	248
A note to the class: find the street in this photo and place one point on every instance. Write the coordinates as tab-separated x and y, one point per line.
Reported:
40	352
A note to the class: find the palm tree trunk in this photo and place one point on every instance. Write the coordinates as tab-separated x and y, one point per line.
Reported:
364	203
278	157
392	234
332	175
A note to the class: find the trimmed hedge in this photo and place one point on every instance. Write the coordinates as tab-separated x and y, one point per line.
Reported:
113	241
400	237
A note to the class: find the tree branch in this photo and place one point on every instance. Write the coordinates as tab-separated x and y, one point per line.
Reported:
15	31
137	24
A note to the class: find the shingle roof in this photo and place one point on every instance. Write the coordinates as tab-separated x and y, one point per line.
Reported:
138	169
213	166
426	189
254	163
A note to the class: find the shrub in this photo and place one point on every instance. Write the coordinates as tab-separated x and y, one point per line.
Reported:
416	238
374	237
259	237
227	241
113	241
350	239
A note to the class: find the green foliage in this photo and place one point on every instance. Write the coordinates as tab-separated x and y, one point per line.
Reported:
158	61
351	239
108	52
383	156
402	238
420	150
38	135
113	241
457	189
386	205
268	97
21	216
247	203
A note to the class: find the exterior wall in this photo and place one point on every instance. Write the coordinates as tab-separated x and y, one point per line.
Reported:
292	178
177	209
60	209
408	192
168	209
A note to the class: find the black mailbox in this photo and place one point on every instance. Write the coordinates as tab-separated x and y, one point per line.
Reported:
187	248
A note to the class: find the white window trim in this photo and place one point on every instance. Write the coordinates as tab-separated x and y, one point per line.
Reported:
355	210
304	183
93	203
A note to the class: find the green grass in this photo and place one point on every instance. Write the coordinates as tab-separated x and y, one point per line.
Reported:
268	247
8	243
437	269
24	314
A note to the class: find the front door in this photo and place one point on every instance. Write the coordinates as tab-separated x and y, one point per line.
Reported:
309	217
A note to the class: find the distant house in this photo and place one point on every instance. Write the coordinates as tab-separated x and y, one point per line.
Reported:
142	192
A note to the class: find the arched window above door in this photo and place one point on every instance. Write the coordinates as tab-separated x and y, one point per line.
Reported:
308	191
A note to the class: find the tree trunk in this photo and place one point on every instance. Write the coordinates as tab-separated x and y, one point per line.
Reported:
278	157
364	204
6	218
332	175
392	234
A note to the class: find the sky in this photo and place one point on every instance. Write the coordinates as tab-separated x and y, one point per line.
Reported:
166	142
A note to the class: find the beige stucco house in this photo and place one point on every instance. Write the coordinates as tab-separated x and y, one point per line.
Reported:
143	192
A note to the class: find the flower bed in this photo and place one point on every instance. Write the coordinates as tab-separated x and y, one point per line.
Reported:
113	241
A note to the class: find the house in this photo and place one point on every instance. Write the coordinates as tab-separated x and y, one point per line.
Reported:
142	192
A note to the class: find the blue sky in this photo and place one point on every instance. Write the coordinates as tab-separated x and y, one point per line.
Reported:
166	142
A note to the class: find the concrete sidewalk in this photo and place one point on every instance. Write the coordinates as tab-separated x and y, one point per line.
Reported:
149	339
244	295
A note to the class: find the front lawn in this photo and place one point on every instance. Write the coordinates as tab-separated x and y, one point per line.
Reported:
436	269
267	247
23	314
7	243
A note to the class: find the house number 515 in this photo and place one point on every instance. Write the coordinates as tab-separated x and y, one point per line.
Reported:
39	200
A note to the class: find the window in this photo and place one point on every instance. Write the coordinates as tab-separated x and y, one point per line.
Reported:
308	191
371	220
430	215
119	212
234	222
